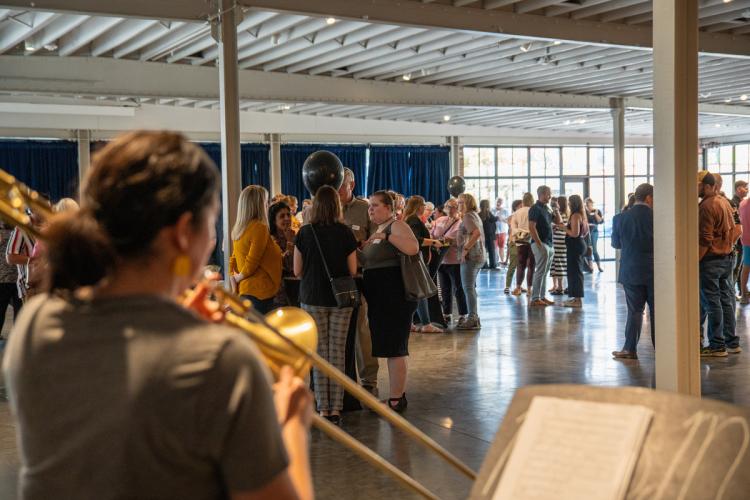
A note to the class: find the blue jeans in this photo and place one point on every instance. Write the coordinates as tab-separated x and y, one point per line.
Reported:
637	296
543	259
718	301
469	271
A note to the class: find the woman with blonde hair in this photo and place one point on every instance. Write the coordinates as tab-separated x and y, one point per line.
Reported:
256	258
472	253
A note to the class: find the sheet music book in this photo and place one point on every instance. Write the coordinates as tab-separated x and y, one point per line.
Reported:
573	450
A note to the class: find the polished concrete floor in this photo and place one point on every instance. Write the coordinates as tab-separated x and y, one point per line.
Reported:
462	382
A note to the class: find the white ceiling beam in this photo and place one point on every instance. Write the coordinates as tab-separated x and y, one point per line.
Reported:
496	4
446	54
85	33
174	40
494	21
57	28
276	57
531	5
355	53
604	7
566	8
207	43
186	10
353	42
103	76
149	36
119	35
635	10
13	32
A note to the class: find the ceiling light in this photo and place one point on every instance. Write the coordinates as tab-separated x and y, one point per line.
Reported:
705	96
50	46
728	100
727	1
29	46
566	122
556	42
287	107
406	77
330	20
446	118
718	125
275	39
525	47
743	97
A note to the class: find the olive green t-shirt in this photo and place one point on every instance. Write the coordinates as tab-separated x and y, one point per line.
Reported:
137	398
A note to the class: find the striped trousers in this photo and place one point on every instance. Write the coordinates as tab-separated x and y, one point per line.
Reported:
333	326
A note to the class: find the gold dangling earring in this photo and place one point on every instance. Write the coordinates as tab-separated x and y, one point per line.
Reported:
181	266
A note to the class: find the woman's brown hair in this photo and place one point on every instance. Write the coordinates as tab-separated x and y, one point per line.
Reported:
326	207
413	204
385	198
138	184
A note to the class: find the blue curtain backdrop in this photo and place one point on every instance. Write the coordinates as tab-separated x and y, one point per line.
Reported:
49	167
430	171
293	157
422	170
255	167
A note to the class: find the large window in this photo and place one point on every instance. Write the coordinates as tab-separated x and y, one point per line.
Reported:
510	171
732	162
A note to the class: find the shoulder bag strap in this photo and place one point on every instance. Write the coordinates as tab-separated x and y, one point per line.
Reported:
320	250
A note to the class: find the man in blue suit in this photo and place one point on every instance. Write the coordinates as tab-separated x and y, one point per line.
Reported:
633	235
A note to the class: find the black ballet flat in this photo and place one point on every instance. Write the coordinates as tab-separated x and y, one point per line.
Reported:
334	419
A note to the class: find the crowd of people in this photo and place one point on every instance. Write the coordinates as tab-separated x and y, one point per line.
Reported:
179	406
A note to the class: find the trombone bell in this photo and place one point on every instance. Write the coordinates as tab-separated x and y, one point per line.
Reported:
294	324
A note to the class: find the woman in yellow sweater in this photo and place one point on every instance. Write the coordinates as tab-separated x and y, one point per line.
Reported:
256	256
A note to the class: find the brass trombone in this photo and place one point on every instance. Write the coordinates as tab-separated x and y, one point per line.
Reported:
286	336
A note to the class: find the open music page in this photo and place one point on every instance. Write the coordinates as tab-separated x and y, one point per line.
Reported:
573	450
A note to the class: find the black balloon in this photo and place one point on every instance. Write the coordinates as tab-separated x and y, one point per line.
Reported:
456	185
322	168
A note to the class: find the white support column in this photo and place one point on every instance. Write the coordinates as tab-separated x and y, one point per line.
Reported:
618	129
225	30
675	36
84	155
457	155
275	152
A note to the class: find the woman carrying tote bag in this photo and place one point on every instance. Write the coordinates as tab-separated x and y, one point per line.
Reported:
388	312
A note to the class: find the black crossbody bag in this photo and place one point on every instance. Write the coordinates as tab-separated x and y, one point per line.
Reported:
344	289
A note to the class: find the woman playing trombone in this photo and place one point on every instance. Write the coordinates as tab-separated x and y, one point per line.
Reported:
120	392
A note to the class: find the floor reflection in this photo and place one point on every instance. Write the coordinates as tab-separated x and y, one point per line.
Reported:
462	382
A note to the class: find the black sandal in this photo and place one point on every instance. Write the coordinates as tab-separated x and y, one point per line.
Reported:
400	403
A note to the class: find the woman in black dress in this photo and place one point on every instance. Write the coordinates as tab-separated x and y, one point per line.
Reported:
389	313
575	246
595	218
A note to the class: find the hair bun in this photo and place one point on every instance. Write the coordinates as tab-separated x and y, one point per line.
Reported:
79	251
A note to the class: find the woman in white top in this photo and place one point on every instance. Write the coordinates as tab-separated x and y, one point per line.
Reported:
519	231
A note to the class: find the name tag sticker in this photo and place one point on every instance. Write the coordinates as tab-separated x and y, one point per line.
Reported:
355	227
376	242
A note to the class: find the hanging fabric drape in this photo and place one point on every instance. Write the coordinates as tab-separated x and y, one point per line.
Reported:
389	169
430	171
49	167
293	157
422	170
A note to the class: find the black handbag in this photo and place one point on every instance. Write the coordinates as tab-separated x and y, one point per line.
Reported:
344	289
414	273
